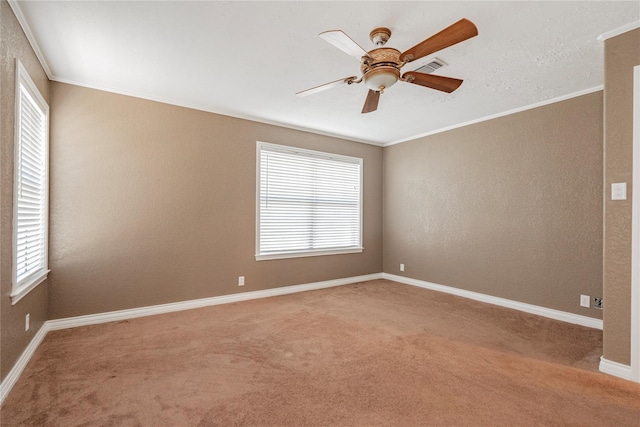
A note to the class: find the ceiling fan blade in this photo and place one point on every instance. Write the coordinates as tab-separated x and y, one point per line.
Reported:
325	86
445	84
460	31
343	42
371	103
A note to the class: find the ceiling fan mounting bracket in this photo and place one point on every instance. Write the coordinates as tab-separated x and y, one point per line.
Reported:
379	36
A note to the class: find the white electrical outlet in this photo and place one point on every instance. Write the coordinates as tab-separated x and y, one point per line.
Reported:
240	280
26	322
584	301
401	267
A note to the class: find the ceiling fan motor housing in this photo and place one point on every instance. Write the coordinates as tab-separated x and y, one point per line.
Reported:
381	68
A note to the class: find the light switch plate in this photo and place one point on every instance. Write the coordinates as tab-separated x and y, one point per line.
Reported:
619	191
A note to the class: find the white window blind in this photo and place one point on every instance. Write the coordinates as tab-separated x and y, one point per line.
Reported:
30	186
309	203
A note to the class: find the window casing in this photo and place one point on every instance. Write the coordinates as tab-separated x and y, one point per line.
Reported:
31	187
308	203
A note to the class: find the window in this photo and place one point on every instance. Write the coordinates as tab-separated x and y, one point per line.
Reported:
31	187
309	203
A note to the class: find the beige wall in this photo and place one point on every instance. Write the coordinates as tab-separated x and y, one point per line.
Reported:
14	339
152	204
622	53
510	207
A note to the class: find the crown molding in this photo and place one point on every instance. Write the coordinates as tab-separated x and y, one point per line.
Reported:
502	114
620	30
15	6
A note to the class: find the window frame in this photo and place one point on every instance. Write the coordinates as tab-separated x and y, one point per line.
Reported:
308	153
22	287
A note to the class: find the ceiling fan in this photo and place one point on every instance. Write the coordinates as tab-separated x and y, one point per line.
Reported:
381	66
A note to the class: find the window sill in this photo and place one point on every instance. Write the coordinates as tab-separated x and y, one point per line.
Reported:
28	286
308	254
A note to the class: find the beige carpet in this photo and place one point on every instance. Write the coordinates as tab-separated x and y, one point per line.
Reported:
374	353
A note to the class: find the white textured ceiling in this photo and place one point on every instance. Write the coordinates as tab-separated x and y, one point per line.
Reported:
248	59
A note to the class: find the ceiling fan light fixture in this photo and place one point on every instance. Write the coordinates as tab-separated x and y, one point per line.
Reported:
381	78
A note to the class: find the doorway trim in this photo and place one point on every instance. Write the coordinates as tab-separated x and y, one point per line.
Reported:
635	233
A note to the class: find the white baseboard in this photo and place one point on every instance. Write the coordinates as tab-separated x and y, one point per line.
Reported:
528	308
15	372
616	369
93	319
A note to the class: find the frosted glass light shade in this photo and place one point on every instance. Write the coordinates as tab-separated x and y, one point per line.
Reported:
382	77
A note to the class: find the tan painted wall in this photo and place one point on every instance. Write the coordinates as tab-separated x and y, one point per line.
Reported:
152	204
14	339
510	207
622	53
